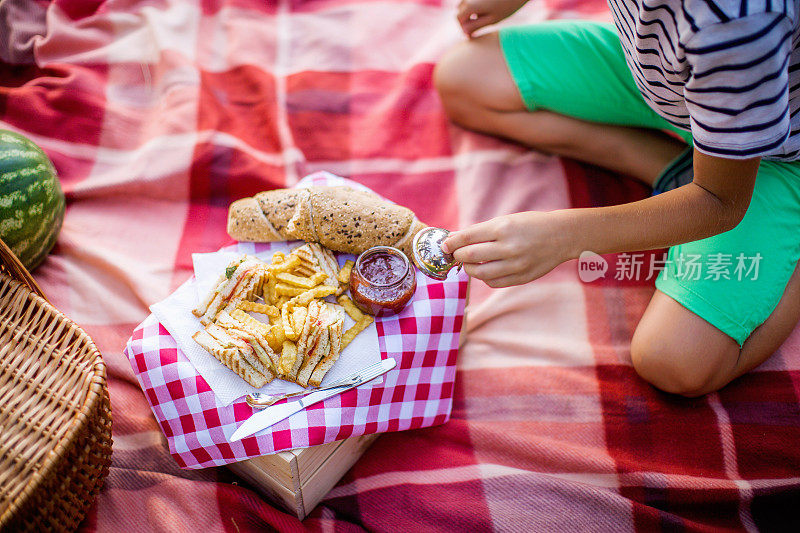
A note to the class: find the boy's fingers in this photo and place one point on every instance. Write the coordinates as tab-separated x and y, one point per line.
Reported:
478	253
472	25
455	240
466	10
481	232
489	271
505	281
496	274
464	13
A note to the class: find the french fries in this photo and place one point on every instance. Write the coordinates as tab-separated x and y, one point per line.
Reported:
350	308
300	281
288	357
344	273
276	336
355	329
305	334
246	319
256	307
317	292
283	289
286	320
269	294
284	266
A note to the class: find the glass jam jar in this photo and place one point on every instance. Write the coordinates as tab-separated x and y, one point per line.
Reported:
382	281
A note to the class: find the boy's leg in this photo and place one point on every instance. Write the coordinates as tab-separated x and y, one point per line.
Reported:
480	93
692	358
726	303
694	338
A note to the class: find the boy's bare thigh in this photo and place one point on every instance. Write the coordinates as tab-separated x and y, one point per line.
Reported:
475	70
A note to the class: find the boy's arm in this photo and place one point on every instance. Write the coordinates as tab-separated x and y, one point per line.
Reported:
714	202
521	247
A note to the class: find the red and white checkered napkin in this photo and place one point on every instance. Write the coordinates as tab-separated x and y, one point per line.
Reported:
417	393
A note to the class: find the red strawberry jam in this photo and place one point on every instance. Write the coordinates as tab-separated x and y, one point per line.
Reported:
382	281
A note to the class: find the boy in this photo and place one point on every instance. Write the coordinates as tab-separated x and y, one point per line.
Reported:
711	87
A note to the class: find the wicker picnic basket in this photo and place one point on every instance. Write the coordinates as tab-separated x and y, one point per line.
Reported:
55	415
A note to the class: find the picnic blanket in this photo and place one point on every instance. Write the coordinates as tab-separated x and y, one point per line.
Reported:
158	113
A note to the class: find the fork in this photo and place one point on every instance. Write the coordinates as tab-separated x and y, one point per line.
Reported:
259	400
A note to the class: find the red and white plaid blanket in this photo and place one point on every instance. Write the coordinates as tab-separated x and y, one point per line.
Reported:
159	113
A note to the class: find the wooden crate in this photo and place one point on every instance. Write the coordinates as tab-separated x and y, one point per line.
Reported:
298	479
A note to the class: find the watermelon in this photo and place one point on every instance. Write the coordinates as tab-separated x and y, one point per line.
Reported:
31	199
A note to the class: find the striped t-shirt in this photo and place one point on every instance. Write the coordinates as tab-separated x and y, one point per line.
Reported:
726	70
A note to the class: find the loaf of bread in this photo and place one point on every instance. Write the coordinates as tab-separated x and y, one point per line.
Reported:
340	218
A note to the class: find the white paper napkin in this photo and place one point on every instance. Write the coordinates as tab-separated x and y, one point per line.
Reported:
175	314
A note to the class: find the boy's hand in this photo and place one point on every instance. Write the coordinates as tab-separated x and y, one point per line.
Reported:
510	249
475	14
518	248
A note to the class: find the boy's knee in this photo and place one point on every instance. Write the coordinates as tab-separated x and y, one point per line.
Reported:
675	365
447	75
475	85
453	81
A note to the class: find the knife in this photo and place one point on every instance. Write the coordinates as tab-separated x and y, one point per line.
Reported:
272	415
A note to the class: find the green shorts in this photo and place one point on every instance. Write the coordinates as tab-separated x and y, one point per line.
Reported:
733	280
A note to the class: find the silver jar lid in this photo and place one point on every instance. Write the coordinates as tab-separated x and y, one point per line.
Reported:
429	257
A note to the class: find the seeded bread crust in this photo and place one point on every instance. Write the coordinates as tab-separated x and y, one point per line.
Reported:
340	218
247	221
